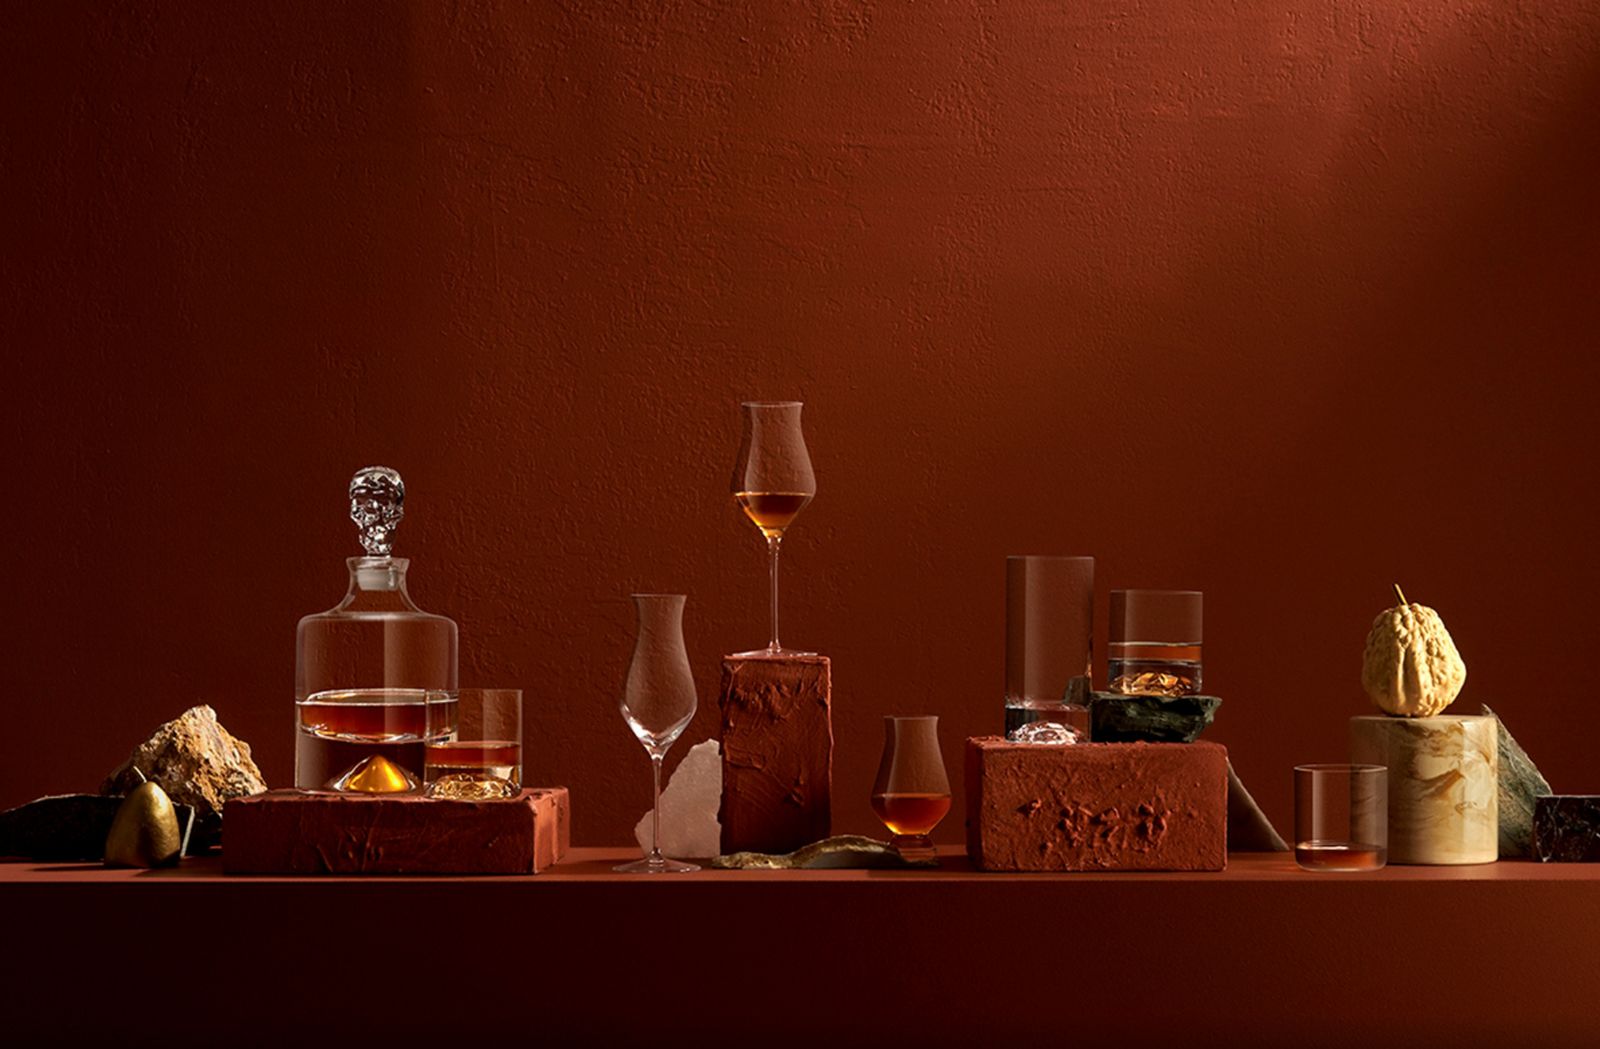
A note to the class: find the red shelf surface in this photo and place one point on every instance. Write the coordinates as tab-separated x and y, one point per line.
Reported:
1262	954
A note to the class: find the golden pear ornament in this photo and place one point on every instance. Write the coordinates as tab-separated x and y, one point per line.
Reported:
1411	667
144	832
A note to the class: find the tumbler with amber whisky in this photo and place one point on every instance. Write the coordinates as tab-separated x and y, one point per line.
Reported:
375	676
1155	642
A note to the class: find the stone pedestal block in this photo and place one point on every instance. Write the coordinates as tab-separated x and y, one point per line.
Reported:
1097	806
777	753
299	832
1443	784
1566	828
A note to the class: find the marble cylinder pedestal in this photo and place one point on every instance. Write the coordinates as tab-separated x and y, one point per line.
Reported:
1444	785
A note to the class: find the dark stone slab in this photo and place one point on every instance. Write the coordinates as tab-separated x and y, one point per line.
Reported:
67	827
302	832
1566	828
1117	718
842	851
1520	786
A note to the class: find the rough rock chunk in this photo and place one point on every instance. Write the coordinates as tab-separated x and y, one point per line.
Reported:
195	760
689	806
1116	718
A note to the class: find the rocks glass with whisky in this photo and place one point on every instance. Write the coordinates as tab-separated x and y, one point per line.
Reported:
911	793
1155	642
484	759
1049	646
772	482
1341	817
374	675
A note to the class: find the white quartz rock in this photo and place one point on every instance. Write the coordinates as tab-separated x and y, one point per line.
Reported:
689	806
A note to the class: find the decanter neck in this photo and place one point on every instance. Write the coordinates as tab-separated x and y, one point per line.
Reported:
378	576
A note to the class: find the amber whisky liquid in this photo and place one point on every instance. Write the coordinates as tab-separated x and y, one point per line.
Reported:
500	758
337	731
911	814
1339	856
772	512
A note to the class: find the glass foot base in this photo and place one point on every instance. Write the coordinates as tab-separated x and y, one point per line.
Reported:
915	848
770	653
656	865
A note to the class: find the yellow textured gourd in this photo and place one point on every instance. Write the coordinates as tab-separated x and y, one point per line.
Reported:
1411	667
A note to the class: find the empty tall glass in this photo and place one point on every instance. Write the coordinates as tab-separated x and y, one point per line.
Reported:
658	702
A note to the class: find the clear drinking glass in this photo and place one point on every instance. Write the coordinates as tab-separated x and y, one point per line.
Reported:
912	793
1341	817
484	759
1155	642
773	482
658	702
1049	642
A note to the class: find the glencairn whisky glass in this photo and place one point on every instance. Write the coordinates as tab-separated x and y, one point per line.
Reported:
772	483
658	702
912	793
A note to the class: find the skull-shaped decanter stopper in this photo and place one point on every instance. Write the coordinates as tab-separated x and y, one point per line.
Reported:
377	503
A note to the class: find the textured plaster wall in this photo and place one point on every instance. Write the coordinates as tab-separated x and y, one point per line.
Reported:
1280	301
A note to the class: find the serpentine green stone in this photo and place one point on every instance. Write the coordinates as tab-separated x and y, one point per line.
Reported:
1520	784
1116	718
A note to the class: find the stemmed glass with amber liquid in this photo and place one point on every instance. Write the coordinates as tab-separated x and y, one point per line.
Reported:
912	793
772	483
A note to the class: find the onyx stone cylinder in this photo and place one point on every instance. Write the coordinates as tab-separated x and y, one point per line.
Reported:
777	752
1444	784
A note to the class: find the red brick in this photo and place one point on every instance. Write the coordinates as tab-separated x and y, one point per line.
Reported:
777	753
1097	806
298	832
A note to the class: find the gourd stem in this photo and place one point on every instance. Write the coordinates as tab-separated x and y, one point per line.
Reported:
1401	593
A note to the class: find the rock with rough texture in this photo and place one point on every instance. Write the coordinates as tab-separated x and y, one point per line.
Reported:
689	806
1116	718
1411	667
842	851
65	827
1102	806
1249	830
301	832
1566	828
1521	785
1444	784
195	760
777	753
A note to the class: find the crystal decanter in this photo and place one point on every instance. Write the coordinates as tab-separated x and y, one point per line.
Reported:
375	676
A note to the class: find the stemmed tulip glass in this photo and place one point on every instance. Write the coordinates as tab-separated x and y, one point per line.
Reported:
658	702
773	482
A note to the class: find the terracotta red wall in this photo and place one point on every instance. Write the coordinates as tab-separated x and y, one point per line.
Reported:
1280	301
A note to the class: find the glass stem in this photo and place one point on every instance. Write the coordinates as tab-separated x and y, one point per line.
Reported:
655	811
773	543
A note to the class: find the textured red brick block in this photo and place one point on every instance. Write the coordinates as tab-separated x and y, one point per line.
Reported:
777	753
296	832
1097	806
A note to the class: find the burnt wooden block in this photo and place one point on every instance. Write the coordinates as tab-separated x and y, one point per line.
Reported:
777	753
1097	806
301	832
